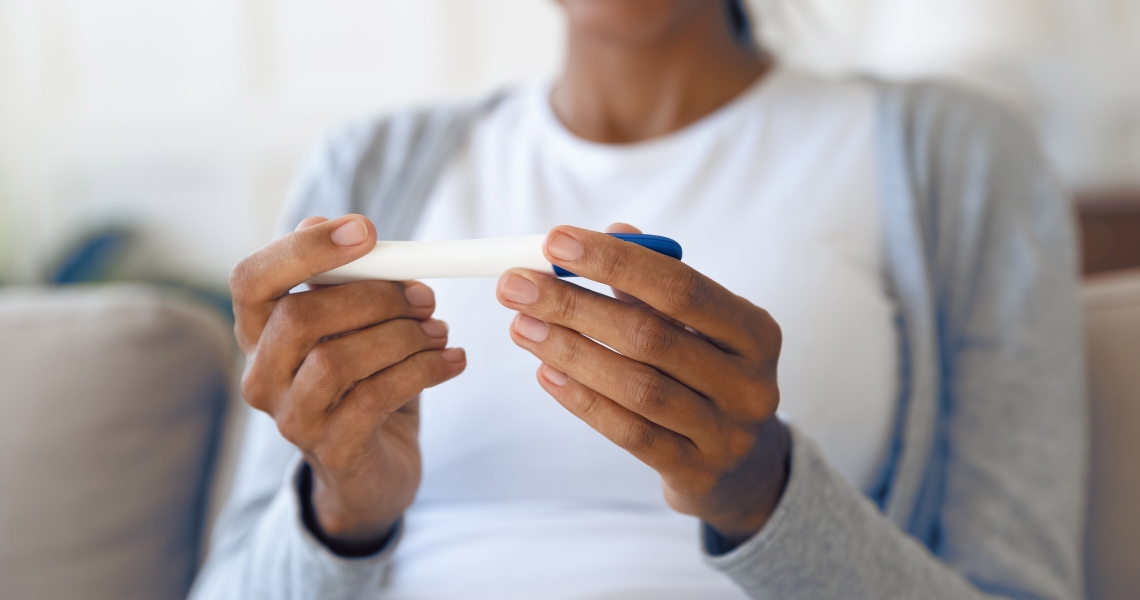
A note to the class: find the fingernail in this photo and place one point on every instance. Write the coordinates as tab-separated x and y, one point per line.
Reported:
531	328
453	355
554	375
420	295
520	289
564	247
434	328
350	234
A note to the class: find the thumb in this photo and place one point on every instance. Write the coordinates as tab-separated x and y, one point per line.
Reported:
269	273
308	222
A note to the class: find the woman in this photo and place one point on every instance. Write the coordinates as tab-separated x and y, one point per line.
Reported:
899	256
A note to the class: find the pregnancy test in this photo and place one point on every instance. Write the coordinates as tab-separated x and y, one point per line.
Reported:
405	261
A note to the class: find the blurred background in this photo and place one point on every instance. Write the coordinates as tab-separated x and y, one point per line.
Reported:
182	121
155	141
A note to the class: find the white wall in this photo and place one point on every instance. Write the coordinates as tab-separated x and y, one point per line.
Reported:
1072	65
188	116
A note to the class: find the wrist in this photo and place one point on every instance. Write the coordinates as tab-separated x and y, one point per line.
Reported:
762	491
341	532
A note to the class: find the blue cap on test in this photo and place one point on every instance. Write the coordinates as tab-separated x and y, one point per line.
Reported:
657	243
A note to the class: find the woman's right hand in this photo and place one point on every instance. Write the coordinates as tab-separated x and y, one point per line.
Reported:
340	370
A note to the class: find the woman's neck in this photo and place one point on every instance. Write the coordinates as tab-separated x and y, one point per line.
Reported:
618	91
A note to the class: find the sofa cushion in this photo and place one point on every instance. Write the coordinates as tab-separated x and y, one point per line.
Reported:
1112	323
110	403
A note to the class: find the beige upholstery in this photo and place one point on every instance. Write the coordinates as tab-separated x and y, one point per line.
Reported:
1112	321
110	402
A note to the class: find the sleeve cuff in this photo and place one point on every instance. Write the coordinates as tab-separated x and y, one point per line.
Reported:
303	484
721	553
715	544
825	540
287	507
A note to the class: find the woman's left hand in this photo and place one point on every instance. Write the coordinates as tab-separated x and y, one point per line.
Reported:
689	387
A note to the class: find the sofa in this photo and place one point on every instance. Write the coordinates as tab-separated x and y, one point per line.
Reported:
119	429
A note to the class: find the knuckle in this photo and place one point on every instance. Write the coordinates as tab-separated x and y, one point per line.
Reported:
775	336
609	260
323	366
296	246
638	436
409	333
421	365
242	279
647	392
369	398
685	289
292	427
760	397
652	338
565	305
765	337
253	392
589	406
568	350
389	293
767	333
246	340
398	334
425	371
292	314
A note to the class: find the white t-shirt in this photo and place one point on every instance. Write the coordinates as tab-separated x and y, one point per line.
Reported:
775	196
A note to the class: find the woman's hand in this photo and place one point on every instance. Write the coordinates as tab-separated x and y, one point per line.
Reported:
339	369
689	387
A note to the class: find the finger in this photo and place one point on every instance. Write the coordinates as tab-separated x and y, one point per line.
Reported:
663	450
636	332
623	228
269	273
334	368
627	298
309	316
366	407
624	297
300	321
666	284
305	224
636	386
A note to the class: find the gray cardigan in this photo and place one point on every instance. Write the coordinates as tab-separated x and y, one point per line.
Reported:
982	494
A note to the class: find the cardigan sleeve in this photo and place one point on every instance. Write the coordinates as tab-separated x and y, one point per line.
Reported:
261	546
827	540
1000	512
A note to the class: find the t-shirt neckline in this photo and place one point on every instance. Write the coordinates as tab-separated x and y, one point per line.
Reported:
550	123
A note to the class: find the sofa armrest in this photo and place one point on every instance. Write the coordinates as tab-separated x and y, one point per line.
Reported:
1112	323
111	401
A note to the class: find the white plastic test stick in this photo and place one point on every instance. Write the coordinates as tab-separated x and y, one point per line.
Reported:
405	261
